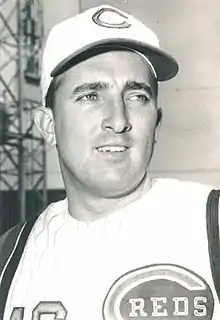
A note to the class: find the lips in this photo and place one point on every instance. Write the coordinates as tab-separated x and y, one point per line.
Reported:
112	148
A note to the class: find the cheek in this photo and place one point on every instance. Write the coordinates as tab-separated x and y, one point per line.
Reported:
144	126
75	128
143	136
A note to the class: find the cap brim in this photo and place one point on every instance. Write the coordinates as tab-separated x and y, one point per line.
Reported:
165	65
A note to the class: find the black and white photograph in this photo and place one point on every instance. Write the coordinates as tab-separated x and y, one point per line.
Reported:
109	160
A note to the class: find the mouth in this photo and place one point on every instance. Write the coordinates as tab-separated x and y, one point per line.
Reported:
112	149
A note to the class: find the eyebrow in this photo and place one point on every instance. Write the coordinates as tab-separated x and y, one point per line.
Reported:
129	85
134	85
90	86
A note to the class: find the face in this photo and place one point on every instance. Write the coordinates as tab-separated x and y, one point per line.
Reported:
105	118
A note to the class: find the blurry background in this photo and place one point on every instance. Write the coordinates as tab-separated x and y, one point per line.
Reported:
188	147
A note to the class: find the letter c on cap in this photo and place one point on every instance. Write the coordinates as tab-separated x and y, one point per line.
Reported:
122	25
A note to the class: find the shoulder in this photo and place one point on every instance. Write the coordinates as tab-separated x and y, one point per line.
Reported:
22	231
183	187
58	208
9	238
183	193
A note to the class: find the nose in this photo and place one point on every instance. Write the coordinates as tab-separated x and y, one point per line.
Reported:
117	119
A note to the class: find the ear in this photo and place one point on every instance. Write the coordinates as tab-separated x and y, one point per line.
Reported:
159	122
44	121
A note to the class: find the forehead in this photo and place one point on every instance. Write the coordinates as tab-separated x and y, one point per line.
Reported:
119	66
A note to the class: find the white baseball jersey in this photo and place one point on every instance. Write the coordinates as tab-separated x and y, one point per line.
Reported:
148	260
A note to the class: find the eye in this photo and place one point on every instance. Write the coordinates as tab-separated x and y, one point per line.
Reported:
139	97
88	97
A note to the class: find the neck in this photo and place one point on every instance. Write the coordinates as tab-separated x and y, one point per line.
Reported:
87	207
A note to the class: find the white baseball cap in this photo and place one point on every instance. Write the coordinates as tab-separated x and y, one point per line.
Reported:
98	30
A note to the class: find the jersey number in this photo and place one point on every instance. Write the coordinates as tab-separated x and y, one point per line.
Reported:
50	307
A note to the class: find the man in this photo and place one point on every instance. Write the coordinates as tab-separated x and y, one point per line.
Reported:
121	245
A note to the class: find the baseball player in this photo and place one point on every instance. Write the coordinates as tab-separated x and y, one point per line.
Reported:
121	246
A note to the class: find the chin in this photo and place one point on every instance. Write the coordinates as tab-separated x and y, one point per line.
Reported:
112	193
115	188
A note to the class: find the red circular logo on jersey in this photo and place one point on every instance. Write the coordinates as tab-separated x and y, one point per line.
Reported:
111	18
159	292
